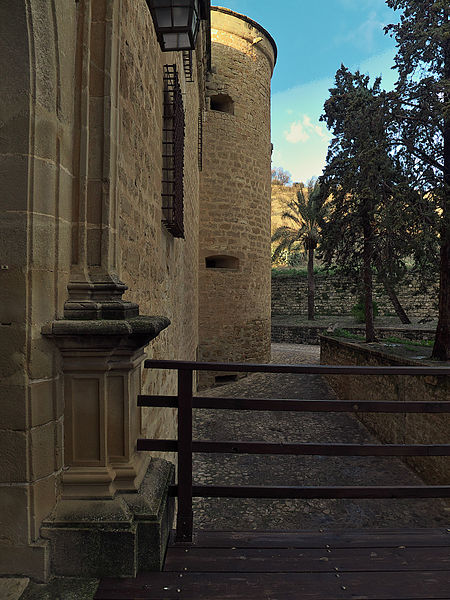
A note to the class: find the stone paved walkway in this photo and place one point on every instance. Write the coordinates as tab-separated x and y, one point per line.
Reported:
222	469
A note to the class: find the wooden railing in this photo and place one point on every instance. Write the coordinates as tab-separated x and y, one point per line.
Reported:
185	401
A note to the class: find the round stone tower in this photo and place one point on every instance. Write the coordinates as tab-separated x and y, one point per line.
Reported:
234	301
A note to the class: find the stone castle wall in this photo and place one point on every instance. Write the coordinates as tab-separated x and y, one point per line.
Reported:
37	41
81	98
336	296
160	270
47	156
234	315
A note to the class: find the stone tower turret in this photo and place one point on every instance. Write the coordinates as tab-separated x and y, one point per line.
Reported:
234	275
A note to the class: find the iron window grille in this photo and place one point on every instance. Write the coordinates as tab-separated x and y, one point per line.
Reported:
187	65
173	153
200	140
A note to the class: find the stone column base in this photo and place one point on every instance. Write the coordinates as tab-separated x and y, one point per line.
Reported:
117	537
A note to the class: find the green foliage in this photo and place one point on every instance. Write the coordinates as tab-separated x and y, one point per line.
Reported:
303	216
358	311
349	335
421	132
302	233
295	259
421	102
397	340
345	333
362	179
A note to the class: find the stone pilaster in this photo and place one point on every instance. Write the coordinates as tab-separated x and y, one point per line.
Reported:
95	289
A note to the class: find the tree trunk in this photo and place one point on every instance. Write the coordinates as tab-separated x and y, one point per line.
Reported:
368	280
311	283
441	349
394	299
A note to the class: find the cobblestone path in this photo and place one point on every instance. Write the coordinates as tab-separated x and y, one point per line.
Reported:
220	469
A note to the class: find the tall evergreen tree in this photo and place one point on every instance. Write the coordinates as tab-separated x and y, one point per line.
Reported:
362	178
422	111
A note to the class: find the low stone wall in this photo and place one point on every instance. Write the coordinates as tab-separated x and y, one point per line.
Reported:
335	295
296	334
305	334
394	428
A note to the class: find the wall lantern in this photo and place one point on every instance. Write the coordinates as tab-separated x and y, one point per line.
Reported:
176	23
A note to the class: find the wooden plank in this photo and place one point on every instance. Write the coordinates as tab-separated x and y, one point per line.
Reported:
294	369
334	492
306	560
209	586
322	449
367	538
213	447
432	585
299	405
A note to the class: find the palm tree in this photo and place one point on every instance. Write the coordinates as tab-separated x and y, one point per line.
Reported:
304	215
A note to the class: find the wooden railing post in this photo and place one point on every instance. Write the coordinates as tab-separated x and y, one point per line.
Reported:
185	515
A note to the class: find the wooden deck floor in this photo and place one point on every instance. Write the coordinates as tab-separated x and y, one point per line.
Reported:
370	564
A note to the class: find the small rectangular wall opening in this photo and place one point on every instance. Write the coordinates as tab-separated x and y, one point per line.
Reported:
221	262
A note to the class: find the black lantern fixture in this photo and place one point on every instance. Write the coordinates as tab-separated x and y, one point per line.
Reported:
176	23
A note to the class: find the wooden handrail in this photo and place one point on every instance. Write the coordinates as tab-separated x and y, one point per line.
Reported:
299	405
293	369
185	446
213	447
323	492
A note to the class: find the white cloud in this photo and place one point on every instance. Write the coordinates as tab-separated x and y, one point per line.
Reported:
296	133
314	127
301	131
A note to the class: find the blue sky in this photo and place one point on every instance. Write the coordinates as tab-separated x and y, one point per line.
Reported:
313	39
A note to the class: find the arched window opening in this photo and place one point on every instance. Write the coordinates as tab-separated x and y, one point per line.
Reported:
222	262
222	103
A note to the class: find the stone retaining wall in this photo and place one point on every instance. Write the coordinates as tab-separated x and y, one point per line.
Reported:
394	428
304	334
335	295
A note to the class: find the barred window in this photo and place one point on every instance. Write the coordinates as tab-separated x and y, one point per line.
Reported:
173	153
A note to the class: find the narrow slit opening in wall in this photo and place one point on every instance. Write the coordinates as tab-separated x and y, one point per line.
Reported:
222	262
222	103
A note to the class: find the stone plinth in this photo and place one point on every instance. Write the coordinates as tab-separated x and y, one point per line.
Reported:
102	365
113	537
114	514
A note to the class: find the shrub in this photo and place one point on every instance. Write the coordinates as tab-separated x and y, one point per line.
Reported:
359	311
